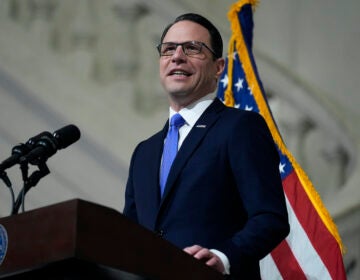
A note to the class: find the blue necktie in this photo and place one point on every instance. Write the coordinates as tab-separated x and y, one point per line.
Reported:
170	149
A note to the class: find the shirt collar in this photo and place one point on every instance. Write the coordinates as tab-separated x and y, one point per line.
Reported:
192	112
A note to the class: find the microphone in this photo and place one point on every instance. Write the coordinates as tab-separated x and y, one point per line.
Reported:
48	144
18	151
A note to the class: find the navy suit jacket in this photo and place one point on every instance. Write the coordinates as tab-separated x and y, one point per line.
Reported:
223	192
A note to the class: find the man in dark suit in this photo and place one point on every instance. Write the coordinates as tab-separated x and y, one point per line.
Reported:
222	200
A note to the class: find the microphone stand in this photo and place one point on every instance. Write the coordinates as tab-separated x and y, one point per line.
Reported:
29	182
7	182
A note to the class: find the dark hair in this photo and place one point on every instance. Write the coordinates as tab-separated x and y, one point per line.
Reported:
215	37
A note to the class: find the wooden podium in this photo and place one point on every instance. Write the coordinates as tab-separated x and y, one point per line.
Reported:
77	239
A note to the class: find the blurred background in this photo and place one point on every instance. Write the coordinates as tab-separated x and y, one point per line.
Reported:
93	63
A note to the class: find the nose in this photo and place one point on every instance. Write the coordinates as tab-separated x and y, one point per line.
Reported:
179	54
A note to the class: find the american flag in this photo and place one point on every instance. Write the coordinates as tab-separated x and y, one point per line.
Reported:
313	249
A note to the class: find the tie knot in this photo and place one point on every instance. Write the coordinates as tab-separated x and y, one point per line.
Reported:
177	120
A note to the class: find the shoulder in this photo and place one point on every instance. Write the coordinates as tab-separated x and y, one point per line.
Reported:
234	116
151	140
231	112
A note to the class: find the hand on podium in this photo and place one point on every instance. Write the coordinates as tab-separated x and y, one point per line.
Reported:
210	258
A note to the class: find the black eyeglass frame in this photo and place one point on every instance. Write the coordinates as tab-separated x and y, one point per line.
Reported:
198	43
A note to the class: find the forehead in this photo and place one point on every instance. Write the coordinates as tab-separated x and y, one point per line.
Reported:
187	31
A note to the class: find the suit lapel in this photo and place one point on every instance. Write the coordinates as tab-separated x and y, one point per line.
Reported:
157	148
192	141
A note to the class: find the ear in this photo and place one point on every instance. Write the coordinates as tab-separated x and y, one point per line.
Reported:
220	65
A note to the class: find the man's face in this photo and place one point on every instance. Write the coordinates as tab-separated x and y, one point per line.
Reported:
188	78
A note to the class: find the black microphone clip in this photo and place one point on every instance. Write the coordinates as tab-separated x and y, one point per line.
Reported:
43	148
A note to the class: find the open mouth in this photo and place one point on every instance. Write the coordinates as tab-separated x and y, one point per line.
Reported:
179	73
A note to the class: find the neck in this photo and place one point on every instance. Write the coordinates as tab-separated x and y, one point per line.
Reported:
177	103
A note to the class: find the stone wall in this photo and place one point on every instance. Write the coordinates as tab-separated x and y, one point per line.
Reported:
94	63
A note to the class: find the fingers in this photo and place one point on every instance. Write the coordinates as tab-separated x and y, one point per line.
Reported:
203	254
199	252
192	250
212	261
206	255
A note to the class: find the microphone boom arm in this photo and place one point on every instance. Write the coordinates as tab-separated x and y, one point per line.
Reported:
7	182
29	182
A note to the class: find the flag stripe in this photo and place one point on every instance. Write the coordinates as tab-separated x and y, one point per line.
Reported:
289	266
298	239
309	226
269	269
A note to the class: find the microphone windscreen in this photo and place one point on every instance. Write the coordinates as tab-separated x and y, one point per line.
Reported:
66	136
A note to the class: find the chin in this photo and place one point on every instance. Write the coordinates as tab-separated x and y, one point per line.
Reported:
178	92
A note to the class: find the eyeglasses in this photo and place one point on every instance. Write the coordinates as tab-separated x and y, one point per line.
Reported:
189	48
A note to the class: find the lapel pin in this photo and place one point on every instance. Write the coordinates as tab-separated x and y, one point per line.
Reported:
201	126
